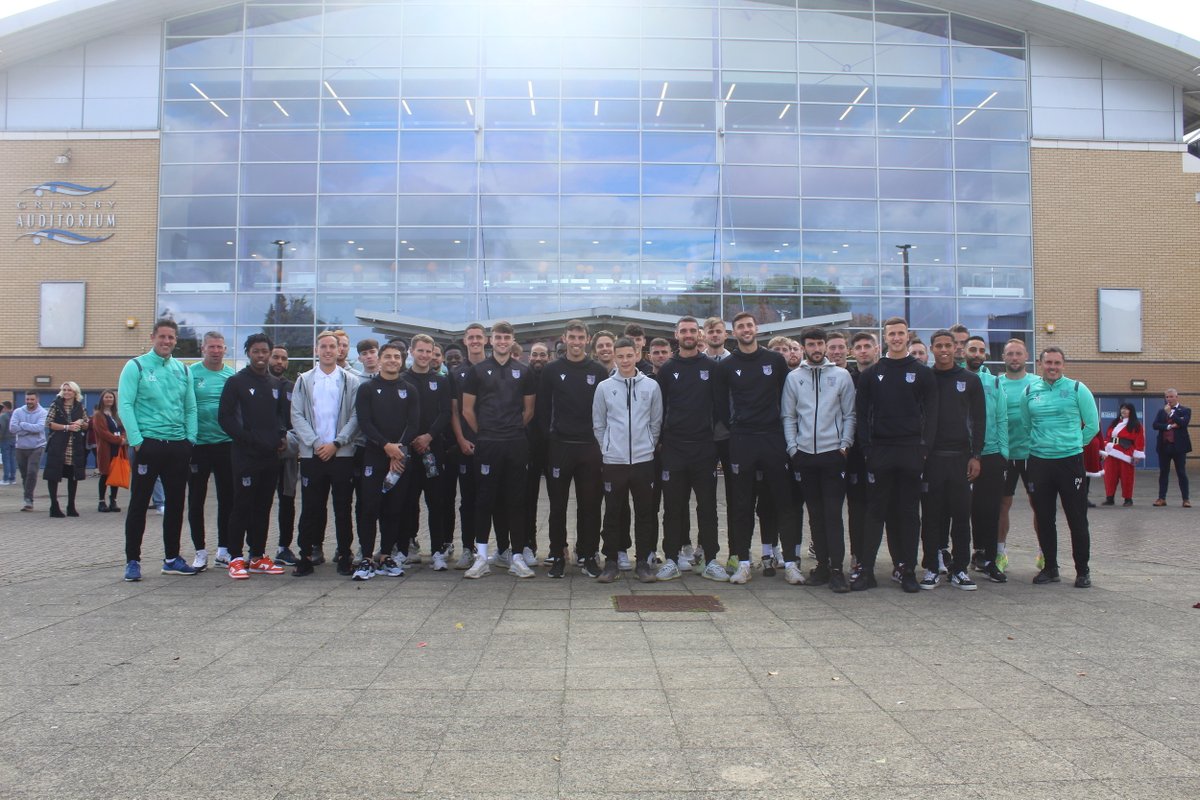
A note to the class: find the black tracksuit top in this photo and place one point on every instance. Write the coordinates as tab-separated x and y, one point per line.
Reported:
389	412
897	404
500	392
687	385
749	389
564	402
434	391
962	412
254	412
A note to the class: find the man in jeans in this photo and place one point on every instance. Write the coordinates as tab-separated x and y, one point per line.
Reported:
28	425
158	406
7	445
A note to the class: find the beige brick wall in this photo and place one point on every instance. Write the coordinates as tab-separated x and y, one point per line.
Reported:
1117	219
119	273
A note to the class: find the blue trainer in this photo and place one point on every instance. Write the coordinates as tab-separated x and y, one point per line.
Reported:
133	571
177	566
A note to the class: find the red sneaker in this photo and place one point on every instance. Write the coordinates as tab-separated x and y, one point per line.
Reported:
237	569
265	566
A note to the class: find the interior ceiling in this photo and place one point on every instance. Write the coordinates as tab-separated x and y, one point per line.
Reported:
61	25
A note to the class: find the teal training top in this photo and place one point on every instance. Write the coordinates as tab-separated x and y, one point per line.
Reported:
1061	416
1018	431
208	386
156	400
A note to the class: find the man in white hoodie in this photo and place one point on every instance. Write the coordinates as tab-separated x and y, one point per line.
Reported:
626	420
818	425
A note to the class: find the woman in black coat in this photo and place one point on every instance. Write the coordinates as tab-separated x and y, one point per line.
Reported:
66	447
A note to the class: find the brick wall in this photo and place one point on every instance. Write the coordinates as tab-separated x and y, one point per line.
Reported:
1117	219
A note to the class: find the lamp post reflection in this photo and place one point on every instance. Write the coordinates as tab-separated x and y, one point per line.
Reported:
904	248
280	301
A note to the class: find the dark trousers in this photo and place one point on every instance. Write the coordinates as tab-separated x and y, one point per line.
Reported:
986	494
157	459
317	480
577	463
765	452
285	493
1049	480
538	453
500	469
893	498
727	480
689	468
379	510
1165	460
440	528
623	480
856	510
946	505
822	479
250	516
209	460
466	499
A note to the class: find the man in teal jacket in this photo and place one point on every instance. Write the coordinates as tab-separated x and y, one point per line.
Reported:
158	406
1060	414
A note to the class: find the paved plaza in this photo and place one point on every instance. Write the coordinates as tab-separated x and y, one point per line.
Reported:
430	686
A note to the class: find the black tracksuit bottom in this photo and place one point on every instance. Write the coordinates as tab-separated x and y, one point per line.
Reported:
382	511
209	460
689	468
986	495
893	497
766	452
500	474
317	480
946	504
466	500
1065	478
285	494
823	482
441	528
250	517
154	459
621	481
578	463
538	453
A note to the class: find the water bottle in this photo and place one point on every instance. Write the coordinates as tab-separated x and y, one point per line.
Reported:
390	480
431	465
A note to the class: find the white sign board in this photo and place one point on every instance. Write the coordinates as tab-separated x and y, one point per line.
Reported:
1120	320
63	312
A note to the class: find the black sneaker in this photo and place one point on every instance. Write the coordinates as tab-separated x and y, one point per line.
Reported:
863	581
768	566
610	571
908	582
820	574
318	556
342	560
1083	580
558	568
303	567
1128	502
837	582
590	567
1109	501
645	573
286	558
1047	576
994	573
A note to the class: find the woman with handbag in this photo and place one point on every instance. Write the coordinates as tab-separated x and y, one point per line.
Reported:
110	447
66	446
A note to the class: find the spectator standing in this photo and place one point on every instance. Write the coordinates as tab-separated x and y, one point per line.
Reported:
1173	445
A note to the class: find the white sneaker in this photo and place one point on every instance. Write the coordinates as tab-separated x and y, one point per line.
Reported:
794	575
654	560
221	559
714	571
365	570
162	510
684	564
478	569
387	567
502	560
465	560
931	580
412	559
439	562
688	552
742	574
200	562
518	567
623	562
530	557
669	571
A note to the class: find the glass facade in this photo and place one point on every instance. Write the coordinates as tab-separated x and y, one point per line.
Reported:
463	160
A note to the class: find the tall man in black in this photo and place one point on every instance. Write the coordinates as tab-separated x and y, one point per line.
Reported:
953	463
896	412
463	462
564	412
865	347
429	448
253	413
539	357
389	417
497	403
747	396
289	464
688	453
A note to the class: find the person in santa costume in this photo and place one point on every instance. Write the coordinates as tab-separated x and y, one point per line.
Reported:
1124	443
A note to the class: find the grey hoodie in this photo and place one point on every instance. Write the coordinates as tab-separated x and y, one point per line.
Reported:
818	409
627	418
302	415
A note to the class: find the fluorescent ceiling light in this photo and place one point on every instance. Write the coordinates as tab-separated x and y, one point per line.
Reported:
850	107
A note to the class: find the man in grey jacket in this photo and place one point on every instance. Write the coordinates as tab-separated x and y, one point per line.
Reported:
818	425
626	420
28	424
326	429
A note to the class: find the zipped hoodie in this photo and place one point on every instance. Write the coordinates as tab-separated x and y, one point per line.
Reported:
303	414
996	439
627	418
1061	417
897	405
155	399
818	409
